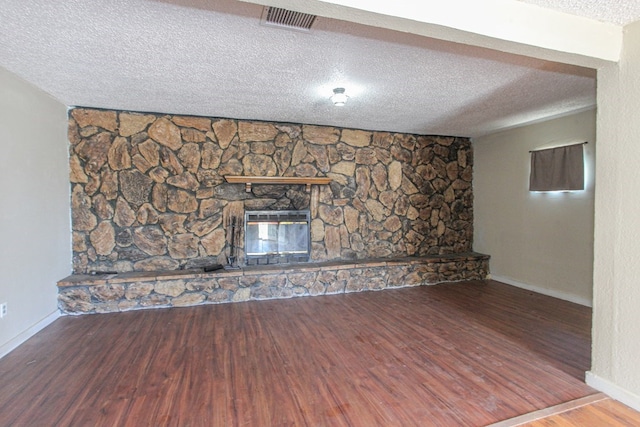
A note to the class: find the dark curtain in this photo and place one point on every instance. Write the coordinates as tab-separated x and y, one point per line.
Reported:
557	169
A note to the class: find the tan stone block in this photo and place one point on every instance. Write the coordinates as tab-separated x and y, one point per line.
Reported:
193	136
282	157
331	215
151	240
282	140
132	123
94	151
159	195
82	217
345	168
214	242
242	294
147	214
376	209
189	155
395	175
256	131
351	218
111	292
210	206
205	226
382	139
204	193
366	156
408	187
138	290
185	180
344	237
166	133
101	207
317	230
320	156
87	117
225	131
356	138
379	177
181	201
183	246
141	163
172	223
150	151
118	155
321	135
233	168
170	161
332	242
200	123
259	165
363	182
210	156
76	173
306	169
392	223
188	300
262	147
78	242
171	288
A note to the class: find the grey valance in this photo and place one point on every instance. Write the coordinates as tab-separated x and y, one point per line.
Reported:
557	169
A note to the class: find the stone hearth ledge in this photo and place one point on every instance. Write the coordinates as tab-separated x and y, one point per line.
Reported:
81	293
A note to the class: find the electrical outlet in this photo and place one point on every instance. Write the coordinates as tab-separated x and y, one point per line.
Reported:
3	309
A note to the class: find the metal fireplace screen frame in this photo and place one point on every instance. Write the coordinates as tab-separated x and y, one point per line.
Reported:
276	237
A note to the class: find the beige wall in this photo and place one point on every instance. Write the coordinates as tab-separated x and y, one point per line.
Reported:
540	241
35	248
616	306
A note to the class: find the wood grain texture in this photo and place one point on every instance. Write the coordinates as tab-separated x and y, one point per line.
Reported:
595	410
468	354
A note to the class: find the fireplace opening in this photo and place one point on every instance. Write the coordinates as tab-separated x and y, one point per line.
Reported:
276	237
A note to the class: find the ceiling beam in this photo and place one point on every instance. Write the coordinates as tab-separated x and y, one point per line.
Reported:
504	25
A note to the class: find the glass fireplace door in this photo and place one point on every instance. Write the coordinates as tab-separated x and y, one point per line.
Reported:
274	237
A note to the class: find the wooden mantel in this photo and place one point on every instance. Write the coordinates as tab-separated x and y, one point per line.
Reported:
291	180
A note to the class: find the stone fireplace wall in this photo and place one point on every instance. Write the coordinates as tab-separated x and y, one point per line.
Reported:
148	190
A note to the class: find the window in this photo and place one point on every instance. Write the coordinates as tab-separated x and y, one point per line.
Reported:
557	169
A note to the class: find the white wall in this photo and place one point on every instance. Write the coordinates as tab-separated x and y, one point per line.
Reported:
35	236
616	305
539	241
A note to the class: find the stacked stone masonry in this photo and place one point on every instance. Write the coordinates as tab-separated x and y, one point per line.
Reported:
79	294
149	194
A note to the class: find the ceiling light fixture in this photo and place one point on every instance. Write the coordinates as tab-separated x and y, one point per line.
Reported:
339	98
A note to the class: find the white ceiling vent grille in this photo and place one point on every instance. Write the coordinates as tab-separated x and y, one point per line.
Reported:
277	17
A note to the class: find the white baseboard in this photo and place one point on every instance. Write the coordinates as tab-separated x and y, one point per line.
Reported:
614	391
544	291
21	338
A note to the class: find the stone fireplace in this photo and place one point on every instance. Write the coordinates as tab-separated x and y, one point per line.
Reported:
152	197
149	191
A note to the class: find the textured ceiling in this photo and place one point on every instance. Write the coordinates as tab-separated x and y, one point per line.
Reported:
213	58
619	12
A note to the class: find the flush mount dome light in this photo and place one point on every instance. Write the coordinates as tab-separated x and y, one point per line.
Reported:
339	98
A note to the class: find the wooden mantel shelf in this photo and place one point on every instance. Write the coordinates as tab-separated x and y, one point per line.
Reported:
291	180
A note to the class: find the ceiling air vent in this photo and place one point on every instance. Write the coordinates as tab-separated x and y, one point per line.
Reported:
277	17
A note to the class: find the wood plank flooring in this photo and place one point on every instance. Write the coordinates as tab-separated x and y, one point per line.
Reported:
595	410
463	354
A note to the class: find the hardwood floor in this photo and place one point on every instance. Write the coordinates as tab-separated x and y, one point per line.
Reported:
463	354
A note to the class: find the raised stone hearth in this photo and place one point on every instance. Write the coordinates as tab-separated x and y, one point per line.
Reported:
137	290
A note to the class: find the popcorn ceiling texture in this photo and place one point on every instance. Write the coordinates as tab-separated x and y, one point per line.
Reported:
619	12
213	58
